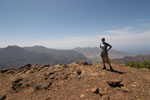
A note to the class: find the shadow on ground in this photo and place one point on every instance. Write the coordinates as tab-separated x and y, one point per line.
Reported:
115	71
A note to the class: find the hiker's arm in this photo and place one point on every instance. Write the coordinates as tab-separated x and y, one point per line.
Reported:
109	47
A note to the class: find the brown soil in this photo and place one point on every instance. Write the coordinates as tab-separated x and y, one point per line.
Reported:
75	82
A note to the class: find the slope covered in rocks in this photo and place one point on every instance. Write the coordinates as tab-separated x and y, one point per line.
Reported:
74	82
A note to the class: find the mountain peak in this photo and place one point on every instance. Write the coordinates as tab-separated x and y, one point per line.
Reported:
14	56
39	46
74	81
12	49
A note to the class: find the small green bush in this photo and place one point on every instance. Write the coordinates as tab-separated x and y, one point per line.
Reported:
144	64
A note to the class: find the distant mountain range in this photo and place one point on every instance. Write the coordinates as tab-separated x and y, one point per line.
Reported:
93	53
139	58
14	56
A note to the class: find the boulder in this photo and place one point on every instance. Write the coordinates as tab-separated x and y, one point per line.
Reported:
82	62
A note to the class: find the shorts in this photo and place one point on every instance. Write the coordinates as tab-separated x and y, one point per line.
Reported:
105	57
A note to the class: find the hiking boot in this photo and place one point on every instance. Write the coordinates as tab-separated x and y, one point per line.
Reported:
111	69
104	68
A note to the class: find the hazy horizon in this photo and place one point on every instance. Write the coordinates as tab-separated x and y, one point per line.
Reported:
67	24
130	53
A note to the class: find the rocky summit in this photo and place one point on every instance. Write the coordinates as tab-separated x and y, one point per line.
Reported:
74	81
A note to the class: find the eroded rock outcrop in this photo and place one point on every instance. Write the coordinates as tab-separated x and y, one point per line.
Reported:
81	81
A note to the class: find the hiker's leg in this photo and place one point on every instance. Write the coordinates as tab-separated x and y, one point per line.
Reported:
104	66
103	60
110	65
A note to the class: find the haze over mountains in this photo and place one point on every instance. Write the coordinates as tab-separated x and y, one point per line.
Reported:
93	53
139	58
14	56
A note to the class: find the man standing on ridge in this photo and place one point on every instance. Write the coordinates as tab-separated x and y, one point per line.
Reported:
104	53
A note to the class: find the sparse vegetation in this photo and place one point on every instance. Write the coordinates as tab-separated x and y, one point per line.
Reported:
144	64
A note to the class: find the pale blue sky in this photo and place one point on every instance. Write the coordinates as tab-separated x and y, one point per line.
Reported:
66	24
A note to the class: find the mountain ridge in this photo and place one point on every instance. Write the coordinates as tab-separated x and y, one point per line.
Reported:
14	56
138	58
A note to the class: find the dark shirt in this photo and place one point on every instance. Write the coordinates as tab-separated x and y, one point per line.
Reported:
104	46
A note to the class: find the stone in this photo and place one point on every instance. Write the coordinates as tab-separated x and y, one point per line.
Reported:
47	85
82	95
16	84
18	80
38	87
3	71
96	91
115	84
82	62
79	72
124	89
3	97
